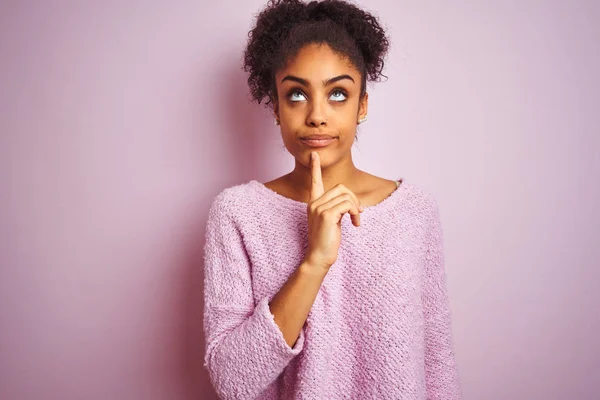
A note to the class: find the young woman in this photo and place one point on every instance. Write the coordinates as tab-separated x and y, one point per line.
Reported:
301	302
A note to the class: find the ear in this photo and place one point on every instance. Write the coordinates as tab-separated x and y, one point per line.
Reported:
363	106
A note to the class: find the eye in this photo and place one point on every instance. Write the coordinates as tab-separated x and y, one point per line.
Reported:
296	95
338	95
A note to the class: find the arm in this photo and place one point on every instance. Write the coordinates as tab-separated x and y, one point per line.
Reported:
290	306
245	349
440	366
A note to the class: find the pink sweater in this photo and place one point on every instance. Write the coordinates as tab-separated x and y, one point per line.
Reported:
380	325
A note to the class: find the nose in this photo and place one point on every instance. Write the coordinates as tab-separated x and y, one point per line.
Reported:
316	115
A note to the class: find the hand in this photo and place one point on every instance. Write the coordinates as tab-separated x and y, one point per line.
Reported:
325	213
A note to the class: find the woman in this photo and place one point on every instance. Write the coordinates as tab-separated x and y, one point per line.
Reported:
301	302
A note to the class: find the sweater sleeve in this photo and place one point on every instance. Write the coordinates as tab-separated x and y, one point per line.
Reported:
245	349
442	378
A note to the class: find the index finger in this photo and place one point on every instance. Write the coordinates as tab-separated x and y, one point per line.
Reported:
316	187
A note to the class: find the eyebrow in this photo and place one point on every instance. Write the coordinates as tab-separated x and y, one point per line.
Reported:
326	82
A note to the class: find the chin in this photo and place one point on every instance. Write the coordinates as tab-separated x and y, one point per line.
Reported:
324	156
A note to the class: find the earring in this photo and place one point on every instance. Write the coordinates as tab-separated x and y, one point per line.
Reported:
276	121
360	121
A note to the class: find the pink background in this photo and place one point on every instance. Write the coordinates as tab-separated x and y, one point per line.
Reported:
120	122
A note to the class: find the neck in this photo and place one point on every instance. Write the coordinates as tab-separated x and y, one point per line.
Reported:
343	171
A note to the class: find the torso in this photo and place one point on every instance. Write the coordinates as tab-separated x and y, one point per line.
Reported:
370	192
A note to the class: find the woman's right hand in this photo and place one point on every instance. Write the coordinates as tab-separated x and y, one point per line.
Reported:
325	213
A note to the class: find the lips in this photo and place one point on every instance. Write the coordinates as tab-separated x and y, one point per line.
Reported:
318	140
317	137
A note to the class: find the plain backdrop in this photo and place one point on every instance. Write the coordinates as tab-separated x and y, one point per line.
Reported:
120	122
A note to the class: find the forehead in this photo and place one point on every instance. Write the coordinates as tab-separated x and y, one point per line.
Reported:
317	62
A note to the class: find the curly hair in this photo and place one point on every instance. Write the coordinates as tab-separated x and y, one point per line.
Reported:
284	27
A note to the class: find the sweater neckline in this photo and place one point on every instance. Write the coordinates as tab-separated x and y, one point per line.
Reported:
382	205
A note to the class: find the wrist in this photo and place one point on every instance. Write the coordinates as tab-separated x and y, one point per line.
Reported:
312	270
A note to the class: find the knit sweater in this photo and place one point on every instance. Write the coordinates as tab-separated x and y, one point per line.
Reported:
379	328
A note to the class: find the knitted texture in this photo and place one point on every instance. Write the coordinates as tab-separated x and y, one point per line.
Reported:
380	326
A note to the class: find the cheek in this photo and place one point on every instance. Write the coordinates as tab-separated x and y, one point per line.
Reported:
346	122
292	114
290	140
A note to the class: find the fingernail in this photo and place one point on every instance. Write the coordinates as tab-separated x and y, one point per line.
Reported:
312	155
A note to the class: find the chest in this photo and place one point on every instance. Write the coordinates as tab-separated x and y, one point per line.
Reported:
378	259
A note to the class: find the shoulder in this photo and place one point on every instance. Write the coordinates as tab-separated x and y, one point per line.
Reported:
416	195
233	200
421	200
421	194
